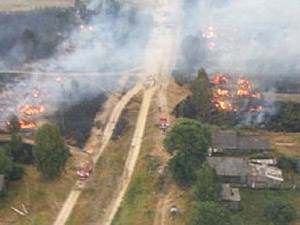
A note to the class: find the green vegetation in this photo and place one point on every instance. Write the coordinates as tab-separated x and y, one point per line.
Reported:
209	213
208	185
254	202
50	152
280	212
287	163
187	136
188	143
201	95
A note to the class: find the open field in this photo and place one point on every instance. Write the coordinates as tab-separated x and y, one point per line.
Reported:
24	5
37	194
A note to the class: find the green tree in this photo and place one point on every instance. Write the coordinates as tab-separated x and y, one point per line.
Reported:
182	169
209	213
5	162
13	124
201	95
50	152
208	185
188	136
280	212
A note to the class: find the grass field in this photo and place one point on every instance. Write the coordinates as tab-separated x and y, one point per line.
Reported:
42	198
254	201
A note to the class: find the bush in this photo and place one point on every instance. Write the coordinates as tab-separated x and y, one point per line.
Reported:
287	163
209	213
208	185
16	173
280	212
182	169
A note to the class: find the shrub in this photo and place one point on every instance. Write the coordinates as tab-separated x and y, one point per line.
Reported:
209	213
287	163
280	212
208	185
16	172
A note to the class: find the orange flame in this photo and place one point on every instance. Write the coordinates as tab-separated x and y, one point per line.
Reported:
35	94
219	78
221	92
27	125
32	110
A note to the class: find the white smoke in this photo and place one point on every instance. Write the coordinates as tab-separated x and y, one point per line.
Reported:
254	37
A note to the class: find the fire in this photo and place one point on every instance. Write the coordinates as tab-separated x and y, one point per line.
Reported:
257	108
231	96
211	45
35	94
27	124
242	92
223	105
244	83
221	92
58	79
32	110
219	78
209	33
256	95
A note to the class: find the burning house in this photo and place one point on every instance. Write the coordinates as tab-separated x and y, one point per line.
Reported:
235	95
229	143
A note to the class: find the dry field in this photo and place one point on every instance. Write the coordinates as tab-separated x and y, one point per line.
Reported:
24	5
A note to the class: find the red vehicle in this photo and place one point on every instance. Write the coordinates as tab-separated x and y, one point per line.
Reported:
163	121
84	172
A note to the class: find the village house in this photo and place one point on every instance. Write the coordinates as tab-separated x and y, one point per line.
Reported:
230	197
229	143
247	173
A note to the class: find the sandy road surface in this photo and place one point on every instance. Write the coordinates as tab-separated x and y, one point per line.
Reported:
24	5
77	189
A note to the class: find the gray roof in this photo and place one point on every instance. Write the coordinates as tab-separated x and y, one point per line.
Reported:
252	142
1	182
223	139
230	140
230	166
230	194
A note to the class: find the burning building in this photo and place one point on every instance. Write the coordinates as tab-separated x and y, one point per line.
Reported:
235	95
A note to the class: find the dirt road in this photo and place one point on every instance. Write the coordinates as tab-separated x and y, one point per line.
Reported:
132	157
24	5
79	185
159	60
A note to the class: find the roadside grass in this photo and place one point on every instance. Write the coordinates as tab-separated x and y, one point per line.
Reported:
139	203
254	201
42	198
104	180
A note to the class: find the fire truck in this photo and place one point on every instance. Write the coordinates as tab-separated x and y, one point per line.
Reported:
163	121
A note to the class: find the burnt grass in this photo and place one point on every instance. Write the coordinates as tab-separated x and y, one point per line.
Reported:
121	126
75	122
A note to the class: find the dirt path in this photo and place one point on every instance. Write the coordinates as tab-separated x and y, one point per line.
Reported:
99	146
132	157
24	5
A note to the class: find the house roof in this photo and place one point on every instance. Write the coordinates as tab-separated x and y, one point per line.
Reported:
252	142
230	140
223	139
1	182
230	166
230	194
